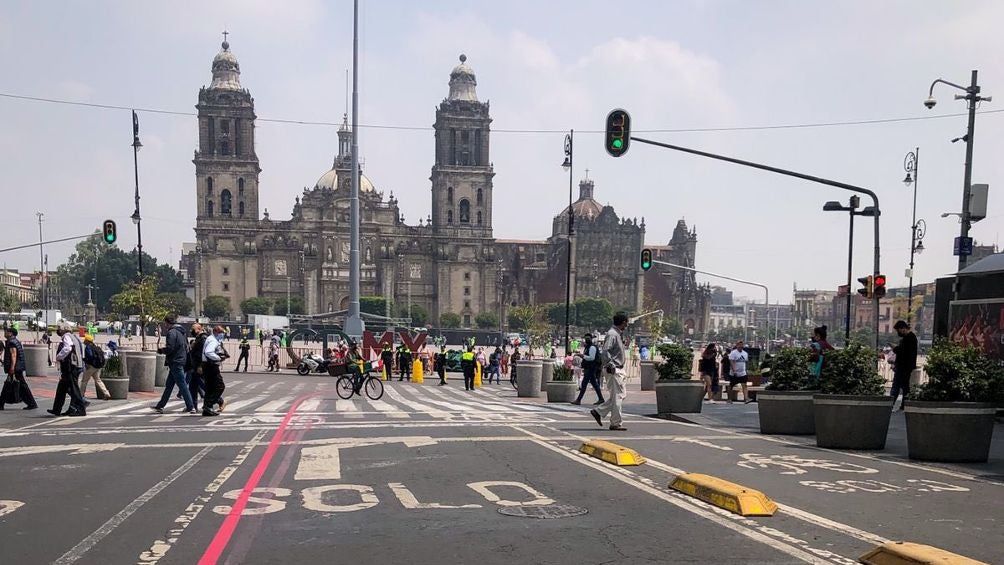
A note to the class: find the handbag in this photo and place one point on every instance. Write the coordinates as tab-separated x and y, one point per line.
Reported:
11	393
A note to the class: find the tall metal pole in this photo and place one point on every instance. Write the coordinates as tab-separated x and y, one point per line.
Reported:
136	217
571	233
354	326
850	269
41	271
915	166
972	97
289	299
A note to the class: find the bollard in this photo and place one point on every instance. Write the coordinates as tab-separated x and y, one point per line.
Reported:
383	371
417	369
477	375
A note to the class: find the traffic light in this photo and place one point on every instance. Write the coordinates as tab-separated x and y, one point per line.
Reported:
618	136
110	235
646	259
867	287
878	286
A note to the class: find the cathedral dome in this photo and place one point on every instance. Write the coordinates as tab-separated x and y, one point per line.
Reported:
226	70
329	181
463	82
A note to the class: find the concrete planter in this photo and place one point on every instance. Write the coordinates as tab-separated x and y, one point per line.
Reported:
561	391
679	397
528	379
118	387
845	421
648	375
36	360
786	412
160	377
546	373
141	367
956	432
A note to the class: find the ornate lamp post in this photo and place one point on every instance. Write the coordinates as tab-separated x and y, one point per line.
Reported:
918	228
567	165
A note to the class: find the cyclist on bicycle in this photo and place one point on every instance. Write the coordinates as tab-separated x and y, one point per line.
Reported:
352	359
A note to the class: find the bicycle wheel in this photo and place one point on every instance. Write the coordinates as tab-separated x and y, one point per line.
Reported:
374	388
343	386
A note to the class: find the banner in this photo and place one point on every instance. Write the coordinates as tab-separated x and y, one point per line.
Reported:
979	323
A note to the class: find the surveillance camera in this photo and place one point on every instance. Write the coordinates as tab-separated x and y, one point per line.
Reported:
930	102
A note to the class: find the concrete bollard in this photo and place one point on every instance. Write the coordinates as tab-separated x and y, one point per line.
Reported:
142	371
528	378
160	377
417	372
477	375
36	360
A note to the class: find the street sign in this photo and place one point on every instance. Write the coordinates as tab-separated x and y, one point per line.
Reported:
963	247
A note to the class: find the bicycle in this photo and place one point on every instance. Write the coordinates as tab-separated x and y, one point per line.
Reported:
349	384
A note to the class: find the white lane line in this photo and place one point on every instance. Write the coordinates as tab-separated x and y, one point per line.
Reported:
389	410
309	405
416	406
479	404
164	419
90	541
347	409
274	406
233	407
160	548
116	407
630	479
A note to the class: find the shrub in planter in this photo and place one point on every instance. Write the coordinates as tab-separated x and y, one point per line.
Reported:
114	379
785	406
676	391
852	412
561	387
951	417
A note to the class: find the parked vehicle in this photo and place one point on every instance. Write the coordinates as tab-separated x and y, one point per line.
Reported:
312	363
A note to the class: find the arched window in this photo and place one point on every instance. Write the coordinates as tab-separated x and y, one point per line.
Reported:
480	218
240	186
449	216
225	202
449	195
209	208
240	209
209	186
465	211
481	197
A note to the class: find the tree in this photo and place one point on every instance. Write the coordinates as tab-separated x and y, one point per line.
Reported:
530	319
296	306
9	302
376	305
256	305
672	326
594	312
419	315
143	299
556	313
177	303
486	321
449	320
216	307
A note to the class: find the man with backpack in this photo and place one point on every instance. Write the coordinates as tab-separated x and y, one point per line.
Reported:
590	371
94	361
70	356
176	358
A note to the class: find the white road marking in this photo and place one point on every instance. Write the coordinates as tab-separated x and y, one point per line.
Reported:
323	462
345	406
90	541
8	506
270	504
275	405
117	407
388	409
309	405
165	419
397	397
484	489
409	501
313	498
234	407
160	548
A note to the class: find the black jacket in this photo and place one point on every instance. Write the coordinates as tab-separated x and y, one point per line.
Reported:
906	353
195	353
176	349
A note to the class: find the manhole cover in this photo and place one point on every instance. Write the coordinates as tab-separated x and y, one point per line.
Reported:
549	512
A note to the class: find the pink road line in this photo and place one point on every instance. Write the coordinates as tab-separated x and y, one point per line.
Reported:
226	531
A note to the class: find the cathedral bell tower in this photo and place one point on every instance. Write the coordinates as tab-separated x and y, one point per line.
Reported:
226	166
462	174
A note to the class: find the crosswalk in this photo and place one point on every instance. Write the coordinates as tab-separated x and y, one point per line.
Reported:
401	401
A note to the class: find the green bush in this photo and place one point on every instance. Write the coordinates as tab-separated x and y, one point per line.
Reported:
852	370
113	367
560	373
958	373
789	369
677	362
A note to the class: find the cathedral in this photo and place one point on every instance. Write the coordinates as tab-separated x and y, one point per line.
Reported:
450	263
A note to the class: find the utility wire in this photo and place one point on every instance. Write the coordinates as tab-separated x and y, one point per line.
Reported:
505	130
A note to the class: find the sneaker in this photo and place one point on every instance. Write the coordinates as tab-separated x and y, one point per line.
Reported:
210	413
618	429
596	416
223	404
193	411
157	410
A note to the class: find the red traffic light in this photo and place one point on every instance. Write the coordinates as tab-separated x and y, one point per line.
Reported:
878	286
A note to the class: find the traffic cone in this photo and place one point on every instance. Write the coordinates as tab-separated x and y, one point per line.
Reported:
477	375
417	369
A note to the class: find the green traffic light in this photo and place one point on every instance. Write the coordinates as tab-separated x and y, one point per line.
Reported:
618	143
110	238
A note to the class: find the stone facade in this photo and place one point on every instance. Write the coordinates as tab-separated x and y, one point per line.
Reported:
449	263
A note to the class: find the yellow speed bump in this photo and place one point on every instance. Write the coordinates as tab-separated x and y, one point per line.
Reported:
611	453
906	553
723	494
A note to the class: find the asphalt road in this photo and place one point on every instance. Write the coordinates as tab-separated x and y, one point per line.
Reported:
292	474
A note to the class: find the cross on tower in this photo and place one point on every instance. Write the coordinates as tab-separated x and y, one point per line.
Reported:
587	174
225	34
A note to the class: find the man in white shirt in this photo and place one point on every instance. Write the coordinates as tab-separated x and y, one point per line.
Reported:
70	357
614	357
213	355
737	376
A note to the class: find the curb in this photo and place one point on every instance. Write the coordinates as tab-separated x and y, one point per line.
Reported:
724	494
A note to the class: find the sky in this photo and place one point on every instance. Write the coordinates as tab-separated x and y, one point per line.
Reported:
551	66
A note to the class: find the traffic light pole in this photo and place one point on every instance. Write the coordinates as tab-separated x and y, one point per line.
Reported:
38	243
802	176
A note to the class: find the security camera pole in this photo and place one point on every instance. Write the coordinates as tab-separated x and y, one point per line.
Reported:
618	138
354	326
972	97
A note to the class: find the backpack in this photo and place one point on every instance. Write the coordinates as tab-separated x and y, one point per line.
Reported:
98	357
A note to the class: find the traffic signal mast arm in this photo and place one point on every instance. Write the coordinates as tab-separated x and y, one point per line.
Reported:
36	244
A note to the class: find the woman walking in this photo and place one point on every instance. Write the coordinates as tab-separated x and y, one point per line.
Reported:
819	348
707	366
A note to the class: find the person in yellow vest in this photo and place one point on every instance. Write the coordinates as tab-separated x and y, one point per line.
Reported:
467	365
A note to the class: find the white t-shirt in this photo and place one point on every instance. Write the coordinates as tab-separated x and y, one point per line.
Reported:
739	359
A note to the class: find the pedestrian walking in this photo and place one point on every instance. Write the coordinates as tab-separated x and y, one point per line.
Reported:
94	362
213	356
387	361
404	362
467	362
70	356
15	385
591	367
193	369
707	366
504	362
245	348
273	354
614	356
47	340
819	346
493	366
440	365
906	361
514	361
737	375
176	352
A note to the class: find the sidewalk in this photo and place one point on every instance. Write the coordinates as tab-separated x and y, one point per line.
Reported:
744	418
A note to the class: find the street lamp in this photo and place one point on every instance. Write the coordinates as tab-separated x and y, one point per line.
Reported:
972	97
567	165
918	228
136	145
851	208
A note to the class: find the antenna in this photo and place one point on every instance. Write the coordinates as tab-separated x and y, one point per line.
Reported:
346	92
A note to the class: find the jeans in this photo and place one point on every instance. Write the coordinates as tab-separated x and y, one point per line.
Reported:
614	404
589	376
176	376
900	382
68	385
